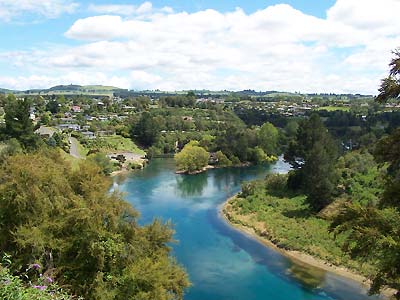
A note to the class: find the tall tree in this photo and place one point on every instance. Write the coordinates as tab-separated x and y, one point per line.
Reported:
374	231
268	137
147	130
312	155
18	122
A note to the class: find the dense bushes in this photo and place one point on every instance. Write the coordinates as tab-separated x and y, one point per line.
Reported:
68	222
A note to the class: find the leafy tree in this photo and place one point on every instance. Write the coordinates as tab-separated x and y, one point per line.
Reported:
18	122
88	238
147	130
268	137
192	158
223	160
313	155
390	86
291	128
53	106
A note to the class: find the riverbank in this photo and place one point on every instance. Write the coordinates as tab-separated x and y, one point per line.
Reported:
210	167
257	230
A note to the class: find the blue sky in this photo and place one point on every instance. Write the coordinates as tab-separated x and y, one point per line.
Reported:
292	45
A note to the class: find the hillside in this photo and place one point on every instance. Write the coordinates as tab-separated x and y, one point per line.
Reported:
68	89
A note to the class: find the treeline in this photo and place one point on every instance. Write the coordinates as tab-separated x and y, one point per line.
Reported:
164	131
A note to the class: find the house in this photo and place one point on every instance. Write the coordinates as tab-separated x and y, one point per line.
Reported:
74	127
76	109
46	132
88	134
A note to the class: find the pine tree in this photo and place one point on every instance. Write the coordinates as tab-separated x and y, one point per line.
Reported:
312	156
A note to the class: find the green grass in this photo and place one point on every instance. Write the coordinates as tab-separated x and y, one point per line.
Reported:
334	108
99	87
287	221
120	143
70	159
82	150
113	143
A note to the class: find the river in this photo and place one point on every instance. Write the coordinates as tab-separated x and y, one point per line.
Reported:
223	263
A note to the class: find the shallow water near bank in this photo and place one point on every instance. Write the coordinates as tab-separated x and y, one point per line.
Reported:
223	263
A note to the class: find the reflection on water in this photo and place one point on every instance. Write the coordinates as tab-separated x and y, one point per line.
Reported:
310	277
189	186
223	263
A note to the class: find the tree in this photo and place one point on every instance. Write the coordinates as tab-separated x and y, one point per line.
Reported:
313	155
223	160
18	122
88	238
374	230
147	130
192	158
268	137
390	86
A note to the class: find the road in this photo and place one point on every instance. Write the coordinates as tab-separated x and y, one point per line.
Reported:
73	150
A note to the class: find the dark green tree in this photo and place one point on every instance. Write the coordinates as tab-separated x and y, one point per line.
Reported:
147	130
18	122
374	230
312	155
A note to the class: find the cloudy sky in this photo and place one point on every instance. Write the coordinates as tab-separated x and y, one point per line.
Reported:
337	46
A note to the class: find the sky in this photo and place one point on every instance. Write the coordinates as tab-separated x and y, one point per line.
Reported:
321	46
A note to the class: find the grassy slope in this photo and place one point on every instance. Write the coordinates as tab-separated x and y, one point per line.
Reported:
287	222
69	158
114	143
333	108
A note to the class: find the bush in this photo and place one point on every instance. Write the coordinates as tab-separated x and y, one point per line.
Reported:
40	287
68	221
223	160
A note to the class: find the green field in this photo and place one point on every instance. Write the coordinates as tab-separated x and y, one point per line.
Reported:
333	108
113	143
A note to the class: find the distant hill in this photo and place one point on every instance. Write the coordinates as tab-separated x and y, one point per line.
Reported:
6	91
71	89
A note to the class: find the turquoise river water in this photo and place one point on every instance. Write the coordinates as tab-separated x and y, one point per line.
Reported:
223	263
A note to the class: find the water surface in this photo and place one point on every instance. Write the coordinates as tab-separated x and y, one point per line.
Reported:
223	263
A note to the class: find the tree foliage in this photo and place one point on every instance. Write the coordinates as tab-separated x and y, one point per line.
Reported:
192	158
313	155
390	86
268	138
86	237
18	122
374	229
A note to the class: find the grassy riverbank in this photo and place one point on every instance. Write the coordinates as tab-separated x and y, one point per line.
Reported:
267	211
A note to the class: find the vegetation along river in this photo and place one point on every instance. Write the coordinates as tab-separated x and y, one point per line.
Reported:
223	263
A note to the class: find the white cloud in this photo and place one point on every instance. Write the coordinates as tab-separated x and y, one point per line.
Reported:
276	48
377	16
13	9
143	9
